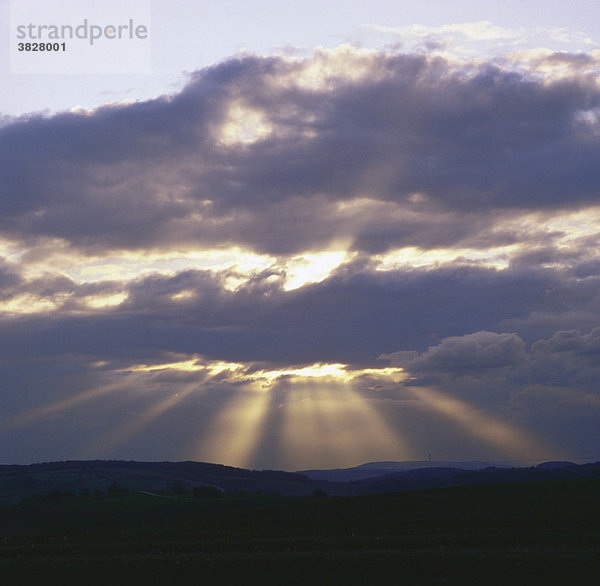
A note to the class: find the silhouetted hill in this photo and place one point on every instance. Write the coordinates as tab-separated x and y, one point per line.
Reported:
98	476
445	477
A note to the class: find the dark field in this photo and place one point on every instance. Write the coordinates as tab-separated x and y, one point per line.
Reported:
526	533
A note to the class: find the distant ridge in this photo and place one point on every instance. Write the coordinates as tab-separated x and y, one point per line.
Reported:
380	477
373	469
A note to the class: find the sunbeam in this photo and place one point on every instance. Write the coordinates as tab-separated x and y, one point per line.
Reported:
508	437
33	415
235	432
120	435
328	424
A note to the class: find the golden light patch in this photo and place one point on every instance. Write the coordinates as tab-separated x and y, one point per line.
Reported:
10	250
244	373
311	268
127	265
320	420
395	374
184	295
104	301
336	371
196	363
234	282
32	304
413	257
330	67
575	225
566	231
244	125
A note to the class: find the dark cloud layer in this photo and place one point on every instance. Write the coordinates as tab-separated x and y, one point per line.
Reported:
470	139
352	317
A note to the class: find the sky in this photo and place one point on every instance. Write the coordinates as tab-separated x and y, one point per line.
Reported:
311	236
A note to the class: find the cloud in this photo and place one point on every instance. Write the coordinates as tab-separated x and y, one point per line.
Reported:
480	39
567	359
352	316
9	276
571	342
417	138
469	354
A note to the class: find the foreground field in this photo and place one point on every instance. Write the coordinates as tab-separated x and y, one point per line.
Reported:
543	532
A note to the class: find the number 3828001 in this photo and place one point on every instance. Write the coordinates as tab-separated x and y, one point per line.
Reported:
42	46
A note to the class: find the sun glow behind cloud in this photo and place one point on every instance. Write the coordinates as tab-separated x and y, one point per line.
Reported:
311	268
120	270
27	303
567	231
129	265
413	257
341	373
244	125
103	301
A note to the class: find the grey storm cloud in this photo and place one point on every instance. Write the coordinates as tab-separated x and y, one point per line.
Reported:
352	317
468	139
572	342
53	287
469	354
568	358
9	277
567	361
